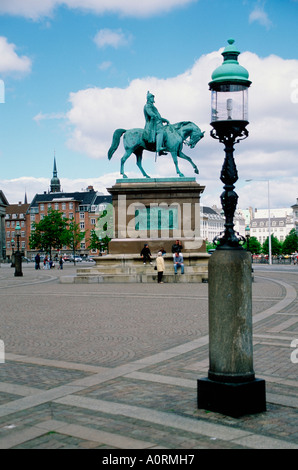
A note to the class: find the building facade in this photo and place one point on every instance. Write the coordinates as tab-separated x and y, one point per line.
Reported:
3	206
281	222
16	213
295	215
83	207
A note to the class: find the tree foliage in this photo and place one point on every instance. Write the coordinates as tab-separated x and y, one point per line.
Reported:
290	244
254	245
100	238
74	236
276	246
51	232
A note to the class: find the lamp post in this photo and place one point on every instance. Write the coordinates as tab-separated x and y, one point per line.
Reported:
247	236
231	387
18	254
12	255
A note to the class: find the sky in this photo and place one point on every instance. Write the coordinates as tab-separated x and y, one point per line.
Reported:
74	71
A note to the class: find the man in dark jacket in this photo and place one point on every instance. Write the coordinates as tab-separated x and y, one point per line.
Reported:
146	254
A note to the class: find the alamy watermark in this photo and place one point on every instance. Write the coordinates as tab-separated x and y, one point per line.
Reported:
2	352
294	354
152	221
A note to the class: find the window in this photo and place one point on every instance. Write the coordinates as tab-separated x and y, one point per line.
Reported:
22	234
82	215
14	216
71	205
56	206
32	217
42	207
93	221
8	244
71	215
63	206
12	224
7	224
7	234
83	245
49	205
22	224
82	225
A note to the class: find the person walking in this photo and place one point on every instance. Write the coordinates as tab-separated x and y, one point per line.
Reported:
160	265
37	261
60	262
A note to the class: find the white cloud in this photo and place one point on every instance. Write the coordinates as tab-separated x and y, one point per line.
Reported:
112	38
270	152
46	116
10	62
35	9
105	65
260	16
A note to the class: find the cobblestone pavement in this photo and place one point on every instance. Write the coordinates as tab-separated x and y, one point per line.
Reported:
115	366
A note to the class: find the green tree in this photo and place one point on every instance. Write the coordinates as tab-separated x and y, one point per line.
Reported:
210	246
74	237
102	235
51	232
290	245
254	245
275	246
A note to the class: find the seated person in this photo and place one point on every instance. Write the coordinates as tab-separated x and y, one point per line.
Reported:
178	263
146	254
176	247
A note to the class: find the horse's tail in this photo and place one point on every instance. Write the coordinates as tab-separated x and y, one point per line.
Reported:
116	141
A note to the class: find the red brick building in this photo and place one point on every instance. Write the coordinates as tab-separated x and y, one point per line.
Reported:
16	213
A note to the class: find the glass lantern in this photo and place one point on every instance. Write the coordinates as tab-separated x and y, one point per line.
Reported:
229	102
229	94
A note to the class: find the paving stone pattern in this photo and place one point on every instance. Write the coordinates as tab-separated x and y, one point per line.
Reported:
115	366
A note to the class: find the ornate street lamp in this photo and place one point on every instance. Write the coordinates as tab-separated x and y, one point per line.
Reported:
231	387
229	118
247	236
12	254
18	254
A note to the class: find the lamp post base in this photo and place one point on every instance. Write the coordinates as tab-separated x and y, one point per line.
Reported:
232	399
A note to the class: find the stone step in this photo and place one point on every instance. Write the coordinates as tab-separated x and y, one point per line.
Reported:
132	278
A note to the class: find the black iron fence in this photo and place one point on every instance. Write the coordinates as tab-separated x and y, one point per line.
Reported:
275	260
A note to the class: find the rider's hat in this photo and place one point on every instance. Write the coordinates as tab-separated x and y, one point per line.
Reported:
149	95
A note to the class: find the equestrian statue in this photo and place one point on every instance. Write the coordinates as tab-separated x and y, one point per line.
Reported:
158	136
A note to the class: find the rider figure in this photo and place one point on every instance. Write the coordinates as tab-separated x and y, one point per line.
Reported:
154	129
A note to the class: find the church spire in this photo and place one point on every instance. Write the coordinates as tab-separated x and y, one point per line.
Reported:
55	182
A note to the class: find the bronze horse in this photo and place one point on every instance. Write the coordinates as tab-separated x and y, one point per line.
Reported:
175	135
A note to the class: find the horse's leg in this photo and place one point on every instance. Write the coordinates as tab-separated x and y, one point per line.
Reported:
123	160
139	155
182	155
175	160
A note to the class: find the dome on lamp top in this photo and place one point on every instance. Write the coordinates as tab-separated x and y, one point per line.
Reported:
230	71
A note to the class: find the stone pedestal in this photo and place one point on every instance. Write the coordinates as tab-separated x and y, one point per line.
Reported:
231	387
157	211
